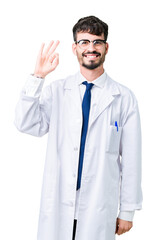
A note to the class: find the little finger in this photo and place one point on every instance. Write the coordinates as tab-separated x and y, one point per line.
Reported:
41	49
49	47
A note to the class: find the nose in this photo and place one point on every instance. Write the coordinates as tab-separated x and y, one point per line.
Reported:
91	46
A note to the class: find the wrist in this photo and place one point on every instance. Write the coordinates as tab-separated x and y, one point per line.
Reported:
126	215
38	75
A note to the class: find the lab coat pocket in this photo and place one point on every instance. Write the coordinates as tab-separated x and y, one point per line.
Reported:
48	193
113	139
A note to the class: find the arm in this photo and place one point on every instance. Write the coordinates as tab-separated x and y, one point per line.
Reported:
130	191
33	109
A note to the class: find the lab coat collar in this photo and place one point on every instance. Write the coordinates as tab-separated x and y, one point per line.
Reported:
104	81
109	92
99	82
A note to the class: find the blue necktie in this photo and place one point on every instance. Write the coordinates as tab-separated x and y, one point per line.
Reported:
85	111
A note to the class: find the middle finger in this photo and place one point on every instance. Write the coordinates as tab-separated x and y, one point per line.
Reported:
53	47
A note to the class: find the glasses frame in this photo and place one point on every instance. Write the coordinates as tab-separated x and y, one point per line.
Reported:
101	40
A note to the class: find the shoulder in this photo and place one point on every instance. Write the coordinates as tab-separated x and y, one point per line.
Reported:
66	82
126	94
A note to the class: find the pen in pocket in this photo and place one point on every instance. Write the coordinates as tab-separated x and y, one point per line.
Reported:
116	125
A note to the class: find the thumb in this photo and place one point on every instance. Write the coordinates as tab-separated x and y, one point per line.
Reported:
55	60
53	57
117	223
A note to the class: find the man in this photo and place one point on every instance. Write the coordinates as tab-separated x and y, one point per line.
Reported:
94	143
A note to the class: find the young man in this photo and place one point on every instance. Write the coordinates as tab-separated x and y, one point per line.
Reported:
94	144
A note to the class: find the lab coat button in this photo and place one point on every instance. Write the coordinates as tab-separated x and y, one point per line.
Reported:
71	204
74	175
75	148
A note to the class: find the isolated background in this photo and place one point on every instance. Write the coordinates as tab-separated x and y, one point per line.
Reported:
131	60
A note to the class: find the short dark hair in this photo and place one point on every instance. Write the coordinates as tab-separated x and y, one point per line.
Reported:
92	25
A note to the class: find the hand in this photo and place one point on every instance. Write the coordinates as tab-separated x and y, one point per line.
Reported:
46	61
123	226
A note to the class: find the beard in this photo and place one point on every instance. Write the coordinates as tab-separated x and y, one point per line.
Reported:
92	64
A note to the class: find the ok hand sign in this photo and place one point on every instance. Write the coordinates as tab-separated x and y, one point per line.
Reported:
47	61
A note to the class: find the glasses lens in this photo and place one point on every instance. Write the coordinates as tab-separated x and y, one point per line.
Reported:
98	43
84	44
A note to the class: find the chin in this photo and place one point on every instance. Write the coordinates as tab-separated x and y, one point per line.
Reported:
91	66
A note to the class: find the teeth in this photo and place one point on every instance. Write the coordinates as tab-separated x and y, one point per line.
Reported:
93	56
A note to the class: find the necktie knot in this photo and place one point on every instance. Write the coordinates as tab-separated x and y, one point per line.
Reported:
88	85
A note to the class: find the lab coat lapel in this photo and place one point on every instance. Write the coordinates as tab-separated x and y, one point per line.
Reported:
109	93
74	94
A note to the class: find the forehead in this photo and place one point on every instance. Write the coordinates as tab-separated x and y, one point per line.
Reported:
85	35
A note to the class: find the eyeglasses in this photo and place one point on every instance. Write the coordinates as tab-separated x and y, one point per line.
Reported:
84	43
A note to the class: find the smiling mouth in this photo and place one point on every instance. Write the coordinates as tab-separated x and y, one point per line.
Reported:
93	55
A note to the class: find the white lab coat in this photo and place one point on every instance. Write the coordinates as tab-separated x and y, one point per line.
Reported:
111	175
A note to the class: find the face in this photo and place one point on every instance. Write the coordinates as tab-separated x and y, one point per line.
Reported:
91	57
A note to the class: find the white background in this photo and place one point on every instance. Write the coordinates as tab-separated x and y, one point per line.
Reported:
131	60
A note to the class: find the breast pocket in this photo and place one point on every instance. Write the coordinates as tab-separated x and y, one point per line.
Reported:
113	139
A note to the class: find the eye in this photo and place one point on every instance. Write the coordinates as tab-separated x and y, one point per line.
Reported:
97	42
84	42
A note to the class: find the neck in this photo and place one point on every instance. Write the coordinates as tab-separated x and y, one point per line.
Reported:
91	75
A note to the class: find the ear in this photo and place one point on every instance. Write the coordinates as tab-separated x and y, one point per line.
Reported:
106	47
74	48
